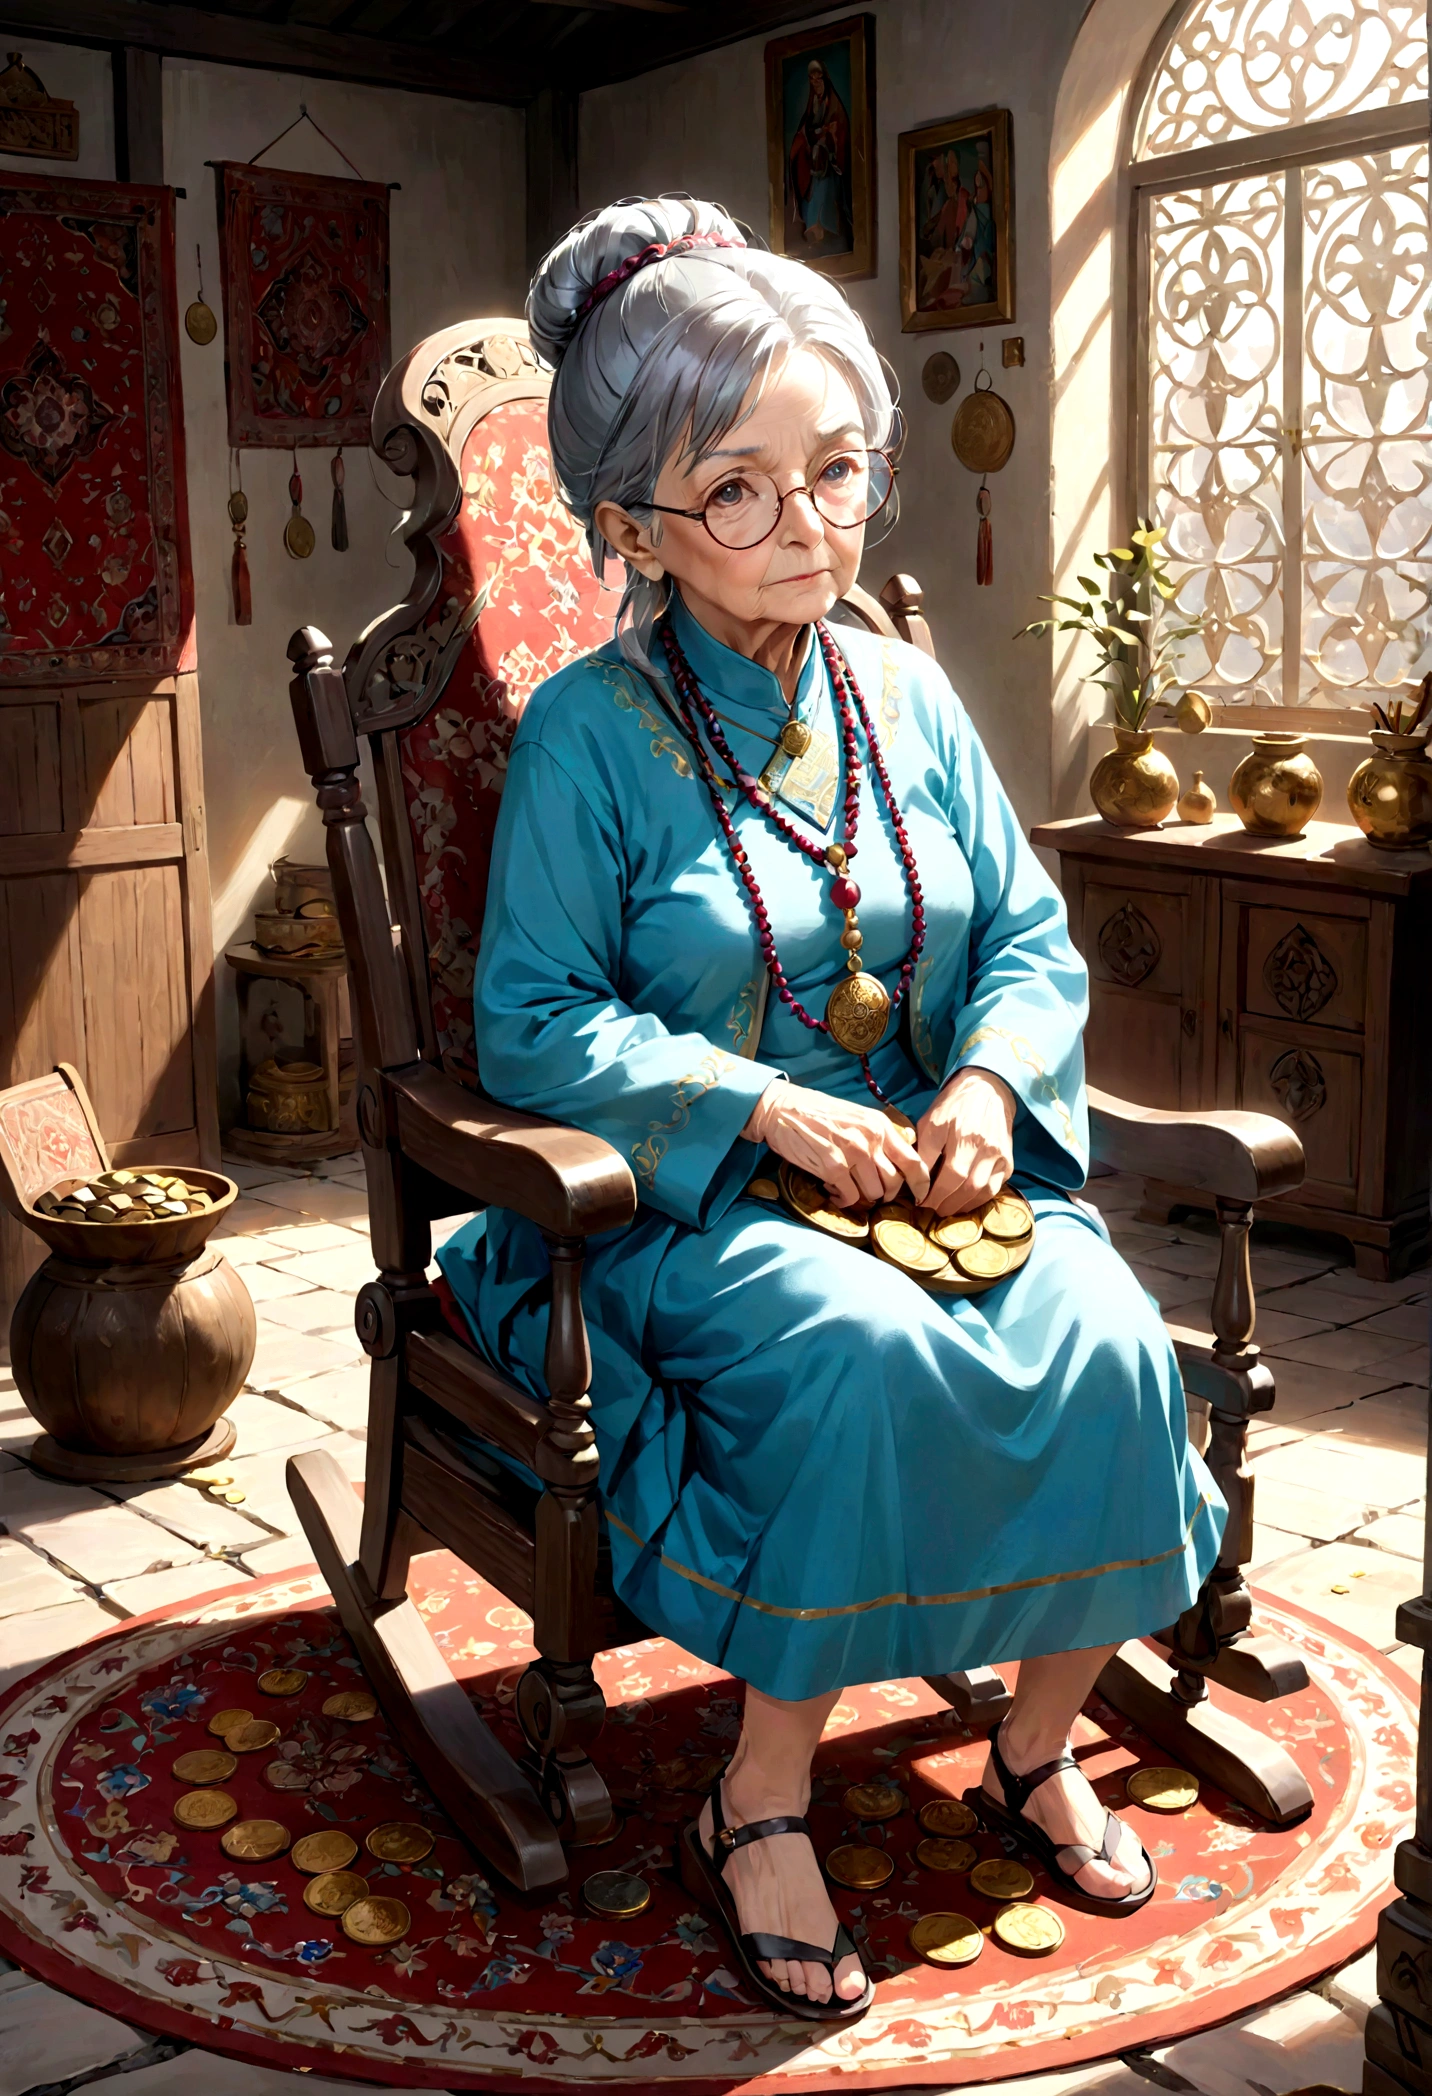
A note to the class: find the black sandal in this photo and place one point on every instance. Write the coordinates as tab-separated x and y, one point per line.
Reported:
702	1875
1010	1817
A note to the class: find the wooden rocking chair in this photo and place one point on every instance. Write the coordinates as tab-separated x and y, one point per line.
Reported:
502	596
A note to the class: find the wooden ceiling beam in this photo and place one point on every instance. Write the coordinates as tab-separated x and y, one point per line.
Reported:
663	39
191	32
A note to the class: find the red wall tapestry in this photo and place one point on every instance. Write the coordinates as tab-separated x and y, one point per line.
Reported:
95	578
305	260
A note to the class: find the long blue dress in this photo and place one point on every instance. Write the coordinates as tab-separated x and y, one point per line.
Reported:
813	1472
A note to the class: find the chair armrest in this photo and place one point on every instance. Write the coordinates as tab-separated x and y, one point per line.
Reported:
1238	1156
557	1177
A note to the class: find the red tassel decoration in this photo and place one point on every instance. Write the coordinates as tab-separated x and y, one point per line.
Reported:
243	595
984	543
339	530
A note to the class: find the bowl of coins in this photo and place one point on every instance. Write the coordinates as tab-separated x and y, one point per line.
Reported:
949	1255
133	1215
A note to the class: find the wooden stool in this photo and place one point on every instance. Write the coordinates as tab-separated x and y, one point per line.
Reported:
319	980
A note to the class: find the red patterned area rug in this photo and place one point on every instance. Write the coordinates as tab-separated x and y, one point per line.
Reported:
103	1894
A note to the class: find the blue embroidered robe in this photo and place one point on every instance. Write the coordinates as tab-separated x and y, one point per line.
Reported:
813	1472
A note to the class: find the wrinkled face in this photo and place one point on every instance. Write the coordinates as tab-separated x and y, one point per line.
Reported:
800	433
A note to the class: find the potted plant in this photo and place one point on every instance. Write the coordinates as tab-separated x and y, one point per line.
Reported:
1390	793
1124	612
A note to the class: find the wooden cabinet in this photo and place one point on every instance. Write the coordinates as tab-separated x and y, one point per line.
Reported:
1291	977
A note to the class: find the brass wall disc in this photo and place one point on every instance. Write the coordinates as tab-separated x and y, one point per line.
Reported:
222	1723
1008	1217
316	1855
1162	1789
982	433
399	1841
874	1801
953	1232
999	1879
948	1818
255	1840
617	1895
1036	1929
282	1681
376	1921
205	1765
937	1853
858	1868
354	1705
334	1893
238	514
947	1939
809	1199
252	1737
201	1811
984	1260
199	323
298	536
940	377
857	1012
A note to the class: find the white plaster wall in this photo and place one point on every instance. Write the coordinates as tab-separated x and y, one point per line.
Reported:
71	73
457	231
700	126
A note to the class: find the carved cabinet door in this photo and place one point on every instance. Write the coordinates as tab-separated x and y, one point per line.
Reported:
1150	945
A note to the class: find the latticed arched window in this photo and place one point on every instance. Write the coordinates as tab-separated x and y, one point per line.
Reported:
1280	186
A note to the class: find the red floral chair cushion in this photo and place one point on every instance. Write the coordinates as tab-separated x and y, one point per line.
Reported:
516	552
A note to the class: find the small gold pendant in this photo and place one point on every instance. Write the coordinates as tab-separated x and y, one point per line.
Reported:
795	738
858	1012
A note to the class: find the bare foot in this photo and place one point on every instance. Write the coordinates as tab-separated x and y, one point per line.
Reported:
778	1890
1068	1811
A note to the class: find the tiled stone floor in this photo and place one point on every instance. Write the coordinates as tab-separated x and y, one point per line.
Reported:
1340	1467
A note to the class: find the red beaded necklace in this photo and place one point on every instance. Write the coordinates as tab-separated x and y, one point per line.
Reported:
860	1008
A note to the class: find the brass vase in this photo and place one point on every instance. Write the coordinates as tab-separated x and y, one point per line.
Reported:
1277	789
1390	793
1199	804
1133	786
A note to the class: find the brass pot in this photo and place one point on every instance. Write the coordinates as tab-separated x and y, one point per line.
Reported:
1277	789
1390	793
288	1099
295	885
1133	786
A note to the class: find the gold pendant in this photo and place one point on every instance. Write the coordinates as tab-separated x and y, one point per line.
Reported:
795	738
858	1012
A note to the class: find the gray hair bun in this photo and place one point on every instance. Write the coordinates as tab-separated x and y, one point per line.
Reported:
601	243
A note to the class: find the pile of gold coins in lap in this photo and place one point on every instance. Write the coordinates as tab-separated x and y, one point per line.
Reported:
947	1938
949	1255
126	1197
334	1890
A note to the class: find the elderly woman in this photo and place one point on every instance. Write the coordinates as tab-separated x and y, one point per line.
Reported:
758	895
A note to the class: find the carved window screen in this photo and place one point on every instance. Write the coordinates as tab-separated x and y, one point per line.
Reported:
1280	187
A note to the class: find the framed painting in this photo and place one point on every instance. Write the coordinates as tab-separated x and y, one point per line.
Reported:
957	223
820	138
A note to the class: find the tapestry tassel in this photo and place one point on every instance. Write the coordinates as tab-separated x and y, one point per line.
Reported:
984	543
243	595
340	512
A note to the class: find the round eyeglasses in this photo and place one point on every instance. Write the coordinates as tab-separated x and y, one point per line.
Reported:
745	508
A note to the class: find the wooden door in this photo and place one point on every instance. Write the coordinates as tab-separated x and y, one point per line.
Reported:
106	954
1148	937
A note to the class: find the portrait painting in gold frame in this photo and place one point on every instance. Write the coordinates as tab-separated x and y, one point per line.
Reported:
820	136
957	223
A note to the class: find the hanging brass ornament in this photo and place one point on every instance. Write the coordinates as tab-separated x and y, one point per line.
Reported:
982	438
299	537
940	377
199	323
239	571
338	533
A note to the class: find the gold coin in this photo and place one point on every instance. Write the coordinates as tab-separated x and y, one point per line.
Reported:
205	1765
947	1939
763	1190
1001	1880
810	1199
317	1855
982	1261
901	1119
334	1893
935	1853
948	1818
874	1801
1029	1928
1008	1217
222	1723
617	1895
252	1736
859	1868
1162	1789
254	1840
399	1841
282	1681
300	539
904	1245
203	1810
287	1776
953	1232
354	1705
375	1920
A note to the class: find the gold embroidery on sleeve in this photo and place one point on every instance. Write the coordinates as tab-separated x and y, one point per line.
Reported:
889	695
663	742
647	1154
1032	1060
742	1024
922	1040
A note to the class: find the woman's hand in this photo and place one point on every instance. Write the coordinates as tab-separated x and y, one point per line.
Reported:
965	1140
857	1152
